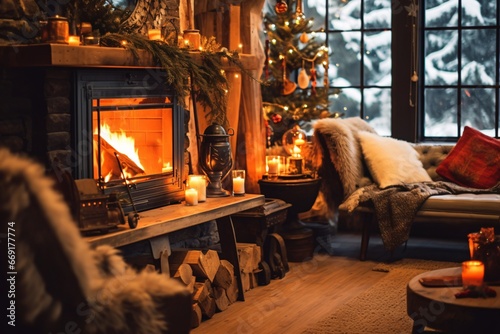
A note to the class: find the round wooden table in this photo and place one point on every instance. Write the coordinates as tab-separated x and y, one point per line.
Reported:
439	309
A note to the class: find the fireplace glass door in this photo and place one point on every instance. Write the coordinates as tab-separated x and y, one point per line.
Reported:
136	132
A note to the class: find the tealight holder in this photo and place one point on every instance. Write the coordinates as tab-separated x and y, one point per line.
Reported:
273	166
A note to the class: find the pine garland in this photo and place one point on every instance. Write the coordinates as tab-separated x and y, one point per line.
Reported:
209	84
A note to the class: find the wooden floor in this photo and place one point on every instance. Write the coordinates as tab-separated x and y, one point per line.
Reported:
312	289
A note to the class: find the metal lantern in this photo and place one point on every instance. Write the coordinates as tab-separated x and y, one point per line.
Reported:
215	158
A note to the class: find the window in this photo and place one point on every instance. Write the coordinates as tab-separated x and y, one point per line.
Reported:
460	66
458	58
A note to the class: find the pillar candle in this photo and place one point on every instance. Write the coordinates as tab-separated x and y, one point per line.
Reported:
239	185
199	183
191	196
273	166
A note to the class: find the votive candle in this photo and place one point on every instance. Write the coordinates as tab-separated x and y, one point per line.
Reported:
472	273
191	196
238	181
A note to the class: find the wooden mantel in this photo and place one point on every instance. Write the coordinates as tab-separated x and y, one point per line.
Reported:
85	56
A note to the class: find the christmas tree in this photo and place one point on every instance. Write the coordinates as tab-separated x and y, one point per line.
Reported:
295	81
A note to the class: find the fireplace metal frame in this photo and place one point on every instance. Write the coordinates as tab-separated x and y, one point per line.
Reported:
160	189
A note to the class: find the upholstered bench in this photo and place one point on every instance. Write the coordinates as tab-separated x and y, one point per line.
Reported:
347	171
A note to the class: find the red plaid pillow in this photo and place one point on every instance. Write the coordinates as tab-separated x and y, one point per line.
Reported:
474	161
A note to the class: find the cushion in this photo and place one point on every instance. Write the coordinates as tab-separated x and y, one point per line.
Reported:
473	162
391	161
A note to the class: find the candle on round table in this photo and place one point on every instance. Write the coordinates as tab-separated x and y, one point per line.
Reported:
472	273
191	196
199	183
273	166
299	141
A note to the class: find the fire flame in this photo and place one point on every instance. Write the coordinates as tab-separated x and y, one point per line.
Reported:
123	144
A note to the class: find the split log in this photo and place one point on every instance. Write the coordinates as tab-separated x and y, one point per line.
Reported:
204	299
182	272
225	275
232	292
196	316
203	263
221	300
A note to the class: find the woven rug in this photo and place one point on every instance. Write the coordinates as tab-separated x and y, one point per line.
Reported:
382	308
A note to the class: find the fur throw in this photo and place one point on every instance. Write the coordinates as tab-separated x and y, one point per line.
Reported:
61	280
336	140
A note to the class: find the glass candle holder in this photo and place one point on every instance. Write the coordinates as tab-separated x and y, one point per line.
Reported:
198	182
192	39
472	273
273	166
238	182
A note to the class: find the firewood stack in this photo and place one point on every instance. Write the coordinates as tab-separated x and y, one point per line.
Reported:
212	280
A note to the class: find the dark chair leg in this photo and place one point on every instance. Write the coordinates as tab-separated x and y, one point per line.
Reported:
365	235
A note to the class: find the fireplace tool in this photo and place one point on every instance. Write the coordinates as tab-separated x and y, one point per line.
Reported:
133	217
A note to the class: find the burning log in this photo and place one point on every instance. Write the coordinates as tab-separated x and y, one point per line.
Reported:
110	164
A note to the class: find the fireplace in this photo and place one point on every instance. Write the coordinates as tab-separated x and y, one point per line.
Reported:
128	131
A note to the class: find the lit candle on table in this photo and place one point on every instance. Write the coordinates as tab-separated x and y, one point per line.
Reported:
198	182
238	181
191	196
472	273
273	166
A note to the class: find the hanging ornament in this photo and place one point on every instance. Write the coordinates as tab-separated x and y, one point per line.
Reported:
288	86
414	77
281	7
303	79
313	79
299	13
304	38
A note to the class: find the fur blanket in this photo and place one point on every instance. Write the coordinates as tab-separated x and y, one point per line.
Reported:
396	206
61	281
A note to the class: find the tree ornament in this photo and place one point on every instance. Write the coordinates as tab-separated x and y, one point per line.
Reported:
313	79
281	7
304	38
303	79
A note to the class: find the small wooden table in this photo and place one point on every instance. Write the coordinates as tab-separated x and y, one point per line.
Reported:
161	221
439	309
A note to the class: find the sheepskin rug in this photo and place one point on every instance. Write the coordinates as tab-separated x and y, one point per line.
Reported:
61	282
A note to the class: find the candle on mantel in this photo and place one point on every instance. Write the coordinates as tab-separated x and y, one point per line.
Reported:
74	40
191	196
472	273
154	34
